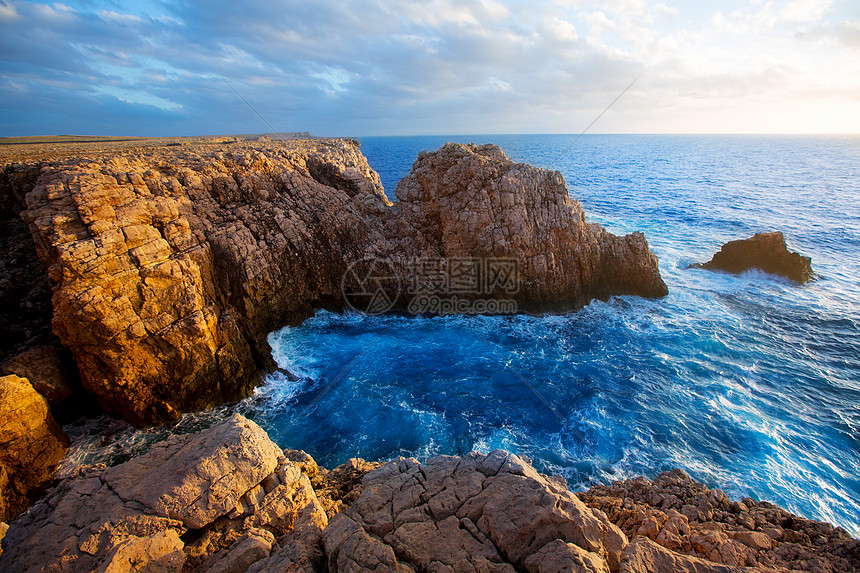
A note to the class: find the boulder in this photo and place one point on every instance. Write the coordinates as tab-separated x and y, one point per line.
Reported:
31	445
227	490
487	512
42	366
764	251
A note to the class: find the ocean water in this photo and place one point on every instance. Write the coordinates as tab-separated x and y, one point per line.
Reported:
749	383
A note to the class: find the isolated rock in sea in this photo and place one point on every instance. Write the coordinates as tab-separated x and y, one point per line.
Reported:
479	512
684	518
472	202
31	445
219	500
44	369
764	251
171	266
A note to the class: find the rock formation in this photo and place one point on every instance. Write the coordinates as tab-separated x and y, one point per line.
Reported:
31	445
465	202
764	251
689	523
44	369
476	513
218	500
171	266
226	499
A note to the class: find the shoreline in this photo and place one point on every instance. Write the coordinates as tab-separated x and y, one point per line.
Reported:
279	511
332	175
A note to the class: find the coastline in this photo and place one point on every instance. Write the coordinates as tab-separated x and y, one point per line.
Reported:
333	183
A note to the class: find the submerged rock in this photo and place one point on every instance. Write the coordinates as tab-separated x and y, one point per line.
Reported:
31	445
764	251
172	265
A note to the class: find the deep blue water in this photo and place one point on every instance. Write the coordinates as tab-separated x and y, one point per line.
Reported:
749	383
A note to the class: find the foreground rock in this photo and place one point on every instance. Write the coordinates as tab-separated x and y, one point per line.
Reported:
227	499
171	266
217	500
764	251
476	513
685	519
31	445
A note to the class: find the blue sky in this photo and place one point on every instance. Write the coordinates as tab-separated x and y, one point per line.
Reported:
373	67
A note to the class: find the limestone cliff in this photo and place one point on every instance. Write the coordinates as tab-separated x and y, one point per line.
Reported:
170	266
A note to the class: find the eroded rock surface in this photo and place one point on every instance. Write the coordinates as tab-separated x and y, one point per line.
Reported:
226	499
765	251
218	500
469	201
688	518
31	445
172	265
479	512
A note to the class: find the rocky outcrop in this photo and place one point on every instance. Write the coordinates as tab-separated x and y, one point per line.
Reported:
763	251
485	513
31	445
218	500
171	266
467	202
686	518
226	499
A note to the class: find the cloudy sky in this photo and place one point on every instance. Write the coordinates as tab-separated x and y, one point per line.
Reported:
389	67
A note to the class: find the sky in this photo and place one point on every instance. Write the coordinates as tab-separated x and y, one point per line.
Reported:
374	67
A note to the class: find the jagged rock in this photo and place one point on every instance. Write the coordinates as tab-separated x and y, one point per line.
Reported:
764	251
688	518
171	266
339	488
644	556
490	513
254	545
42	366
137	512
31	445
472	202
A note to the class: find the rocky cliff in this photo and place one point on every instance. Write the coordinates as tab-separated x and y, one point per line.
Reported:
228	499
171	265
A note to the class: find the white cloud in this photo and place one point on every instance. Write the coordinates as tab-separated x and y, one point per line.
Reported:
440	65
8	12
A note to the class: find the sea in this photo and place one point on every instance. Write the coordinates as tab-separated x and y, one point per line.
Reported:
750	383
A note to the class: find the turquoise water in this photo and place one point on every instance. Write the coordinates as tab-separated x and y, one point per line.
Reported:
748	382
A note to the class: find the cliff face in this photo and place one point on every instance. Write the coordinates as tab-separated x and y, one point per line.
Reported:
473	202
171	266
